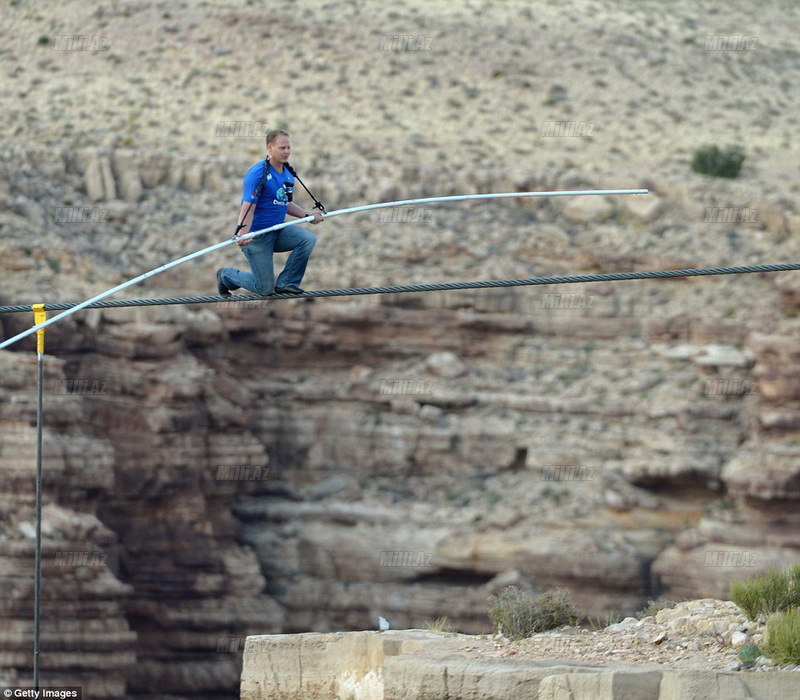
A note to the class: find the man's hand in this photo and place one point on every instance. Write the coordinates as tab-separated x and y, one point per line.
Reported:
241	243
300	213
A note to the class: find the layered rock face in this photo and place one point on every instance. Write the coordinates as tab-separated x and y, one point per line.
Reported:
756	527
288	466
85	637
123	518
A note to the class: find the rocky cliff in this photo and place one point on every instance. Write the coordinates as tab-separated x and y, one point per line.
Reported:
237	468
220	470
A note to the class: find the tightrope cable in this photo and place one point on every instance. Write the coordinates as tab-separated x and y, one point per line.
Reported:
366	207
423	287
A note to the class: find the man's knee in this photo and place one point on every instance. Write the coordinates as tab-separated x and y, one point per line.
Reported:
262	289
309	241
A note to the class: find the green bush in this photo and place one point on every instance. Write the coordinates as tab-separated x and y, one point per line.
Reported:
768	592
518	614
783	637
712	160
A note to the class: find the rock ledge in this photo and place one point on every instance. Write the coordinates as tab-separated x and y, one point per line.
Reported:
427	665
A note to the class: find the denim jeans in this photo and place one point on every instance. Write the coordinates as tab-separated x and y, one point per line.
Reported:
261	279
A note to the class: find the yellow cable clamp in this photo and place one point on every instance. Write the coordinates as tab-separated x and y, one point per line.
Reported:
39	316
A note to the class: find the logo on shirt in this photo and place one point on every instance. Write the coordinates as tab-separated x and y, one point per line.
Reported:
284	194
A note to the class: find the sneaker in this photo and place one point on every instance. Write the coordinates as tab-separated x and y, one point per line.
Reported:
289	289
222	288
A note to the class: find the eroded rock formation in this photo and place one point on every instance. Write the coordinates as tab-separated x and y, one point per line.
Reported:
263	467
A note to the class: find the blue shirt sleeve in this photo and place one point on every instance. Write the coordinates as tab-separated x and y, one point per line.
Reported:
251	181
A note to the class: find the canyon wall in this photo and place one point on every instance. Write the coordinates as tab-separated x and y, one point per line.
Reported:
229	469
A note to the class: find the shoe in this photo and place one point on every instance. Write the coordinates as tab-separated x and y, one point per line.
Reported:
222	288
289	289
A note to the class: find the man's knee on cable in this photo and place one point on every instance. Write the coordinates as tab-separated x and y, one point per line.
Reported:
262	288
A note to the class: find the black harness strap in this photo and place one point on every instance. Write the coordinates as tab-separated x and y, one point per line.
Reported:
317	203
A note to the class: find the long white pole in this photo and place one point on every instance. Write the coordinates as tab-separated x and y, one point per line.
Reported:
339	212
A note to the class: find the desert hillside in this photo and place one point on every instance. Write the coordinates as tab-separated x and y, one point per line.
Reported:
220	470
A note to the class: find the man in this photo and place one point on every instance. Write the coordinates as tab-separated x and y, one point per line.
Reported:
266	200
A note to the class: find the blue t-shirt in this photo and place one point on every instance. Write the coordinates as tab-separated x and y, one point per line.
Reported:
273	200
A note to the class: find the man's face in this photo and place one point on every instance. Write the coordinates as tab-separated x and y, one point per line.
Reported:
280	149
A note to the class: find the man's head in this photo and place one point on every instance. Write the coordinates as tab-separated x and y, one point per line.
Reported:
279	146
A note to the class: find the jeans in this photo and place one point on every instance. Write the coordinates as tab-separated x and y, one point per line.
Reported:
261	279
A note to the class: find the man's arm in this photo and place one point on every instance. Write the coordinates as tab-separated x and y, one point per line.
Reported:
247	221
300	213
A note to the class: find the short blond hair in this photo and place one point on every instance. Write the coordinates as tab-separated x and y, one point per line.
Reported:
272	135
